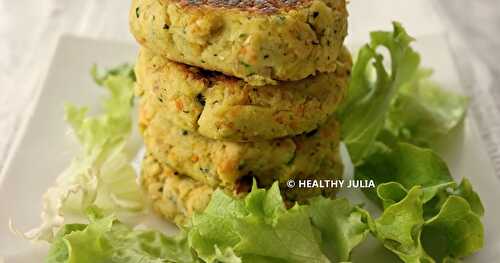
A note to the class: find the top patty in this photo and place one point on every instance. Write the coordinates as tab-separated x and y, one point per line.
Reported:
261	42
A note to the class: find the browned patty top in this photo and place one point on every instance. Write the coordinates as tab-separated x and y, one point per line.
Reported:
207	76
212	77
260	5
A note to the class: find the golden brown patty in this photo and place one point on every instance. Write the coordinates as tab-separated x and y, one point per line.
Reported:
261	42
221	107
178	197
232	165
174	196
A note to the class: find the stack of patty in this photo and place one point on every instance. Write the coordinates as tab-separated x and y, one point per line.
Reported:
237	91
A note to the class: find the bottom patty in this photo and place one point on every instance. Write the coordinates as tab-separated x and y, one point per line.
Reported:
174	196
177	197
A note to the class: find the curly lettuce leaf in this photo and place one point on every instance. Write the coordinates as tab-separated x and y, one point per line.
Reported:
101	174
342	226
105	239
400	226
423	206
416	111
364	112
465	191
455	232
259	228
396	170
407	165
422	111
402	101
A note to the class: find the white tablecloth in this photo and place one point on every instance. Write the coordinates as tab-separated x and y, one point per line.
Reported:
29	31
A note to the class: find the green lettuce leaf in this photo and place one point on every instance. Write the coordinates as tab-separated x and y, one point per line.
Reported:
465	191
407	165
342	226
400	226
105	239
397	169
455	232
422	111
401	102
384	108
101	174
257	228
427	217
364	112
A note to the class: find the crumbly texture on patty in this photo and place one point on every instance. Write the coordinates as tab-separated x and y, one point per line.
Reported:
226	108
261	44
331	168
173	195
233	165
177	197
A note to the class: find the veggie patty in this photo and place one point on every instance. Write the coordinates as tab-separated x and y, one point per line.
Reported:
177	197
222	107
260	43
234	165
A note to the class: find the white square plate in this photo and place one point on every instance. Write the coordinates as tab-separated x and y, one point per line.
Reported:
44	148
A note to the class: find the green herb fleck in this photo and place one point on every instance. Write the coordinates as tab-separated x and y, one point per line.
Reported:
241	165
290	162
248	66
